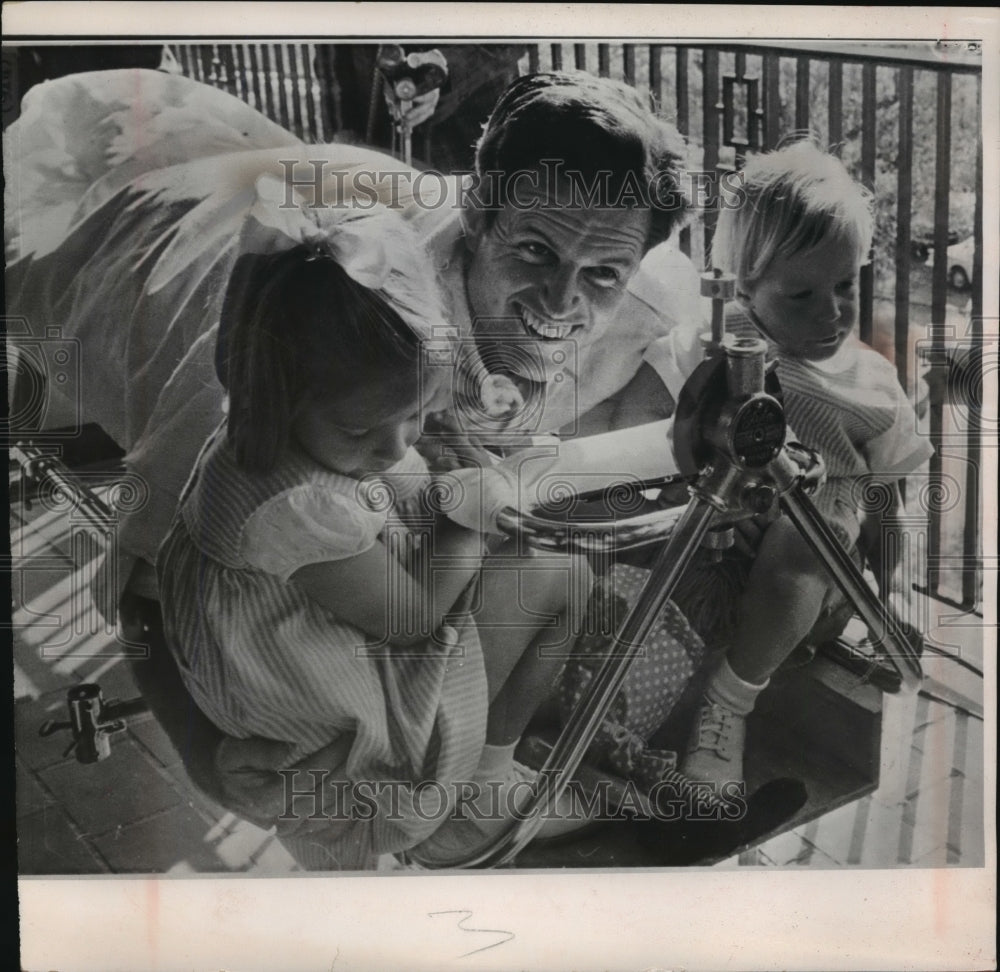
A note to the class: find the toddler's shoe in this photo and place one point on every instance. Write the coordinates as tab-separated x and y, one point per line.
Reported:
715	750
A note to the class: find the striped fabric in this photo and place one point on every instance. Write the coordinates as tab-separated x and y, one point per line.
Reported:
851	409
262	659
854	412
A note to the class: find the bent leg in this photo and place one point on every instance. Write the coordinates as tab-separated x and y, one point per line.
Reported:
529	616
782	601
781	604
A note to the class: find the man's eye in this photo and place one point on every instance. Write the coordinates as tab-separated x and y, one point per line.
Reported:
847	284
800	295
535	251
604	276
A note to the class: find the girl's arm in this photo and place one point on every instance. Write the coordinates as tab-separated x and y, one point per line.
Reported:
391	602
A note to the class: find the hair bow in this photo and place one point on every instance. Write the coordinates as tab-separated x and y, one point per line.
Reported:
286	221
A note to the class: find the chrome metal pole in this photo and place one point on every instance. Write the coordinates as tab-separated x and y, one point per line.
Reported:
878	616
579	731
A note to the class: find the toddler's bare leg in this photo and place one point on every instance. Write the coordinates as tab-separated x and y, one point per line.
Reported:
781	603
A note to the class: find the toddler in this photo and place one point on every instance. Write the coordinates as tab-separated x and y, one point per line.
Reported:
796	245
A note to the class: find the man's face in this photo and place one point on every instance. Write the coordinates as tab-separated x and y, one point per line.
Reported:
559	271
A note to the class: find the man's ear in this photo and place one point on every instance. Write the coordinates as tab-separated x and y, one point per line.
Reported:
474	226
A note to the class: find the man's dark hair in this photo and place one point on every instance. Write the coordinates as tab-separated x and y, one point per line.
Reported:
593	126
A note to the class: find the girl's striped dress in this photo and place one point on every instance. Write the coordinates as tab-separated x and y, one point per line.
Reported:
263	659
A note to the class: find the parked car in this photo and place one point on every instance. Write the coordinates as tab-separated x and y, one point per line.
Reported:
960	264
922	244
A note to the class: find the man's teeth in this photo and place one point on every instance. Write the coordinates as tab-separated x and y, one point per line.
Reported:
547	329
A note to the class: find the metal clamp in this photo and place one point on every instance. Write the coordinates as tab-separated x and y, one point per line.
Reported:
93	722
408	76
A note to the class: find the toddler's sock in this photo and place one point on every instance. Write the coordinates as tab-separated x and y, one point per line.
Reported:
726	688
715	749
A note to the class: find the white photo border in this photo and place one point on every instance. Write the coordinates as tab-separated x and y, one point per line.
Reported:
656	920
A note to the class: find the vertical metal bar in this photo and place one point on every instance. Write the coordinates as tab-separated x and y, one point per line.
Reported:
239	75
755	114
557	60
198	73
250	77
730	85
772	101
655	76
214	77
533	59
802	65
181	53
261	70
264	73
971	550
942	191
939	300
867	285
710	108
319	95
604	60
229	70
301	53
728	110
628	63
580	56
681	85
683	120
312	93
904	203
281	113
289	82
835	103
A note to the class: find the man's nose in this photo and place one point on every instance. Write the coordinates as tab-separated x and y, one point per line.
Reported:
561	293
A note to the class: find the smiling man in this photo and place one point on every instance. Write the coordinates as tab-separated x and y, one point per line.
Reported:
558	267
577	181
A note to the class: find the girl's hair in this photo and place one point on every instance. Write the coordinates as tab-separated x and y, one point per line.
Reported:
296	327
789	201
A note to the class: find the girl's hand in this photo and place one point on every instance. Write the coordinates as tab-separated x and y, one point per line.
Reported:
446	446
481	494
500	396
748	533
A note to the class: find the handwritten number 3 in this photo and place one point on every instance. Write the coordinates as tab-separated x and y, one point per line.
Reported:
486	931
